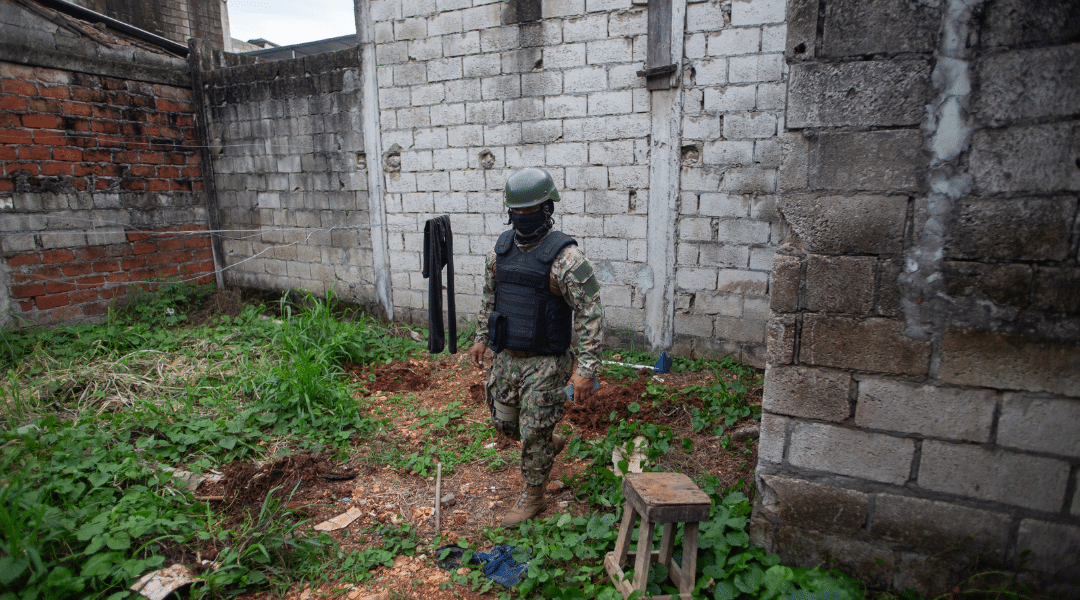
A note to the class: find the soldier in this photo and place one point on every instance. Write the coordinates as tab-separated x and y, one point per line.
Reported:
538	290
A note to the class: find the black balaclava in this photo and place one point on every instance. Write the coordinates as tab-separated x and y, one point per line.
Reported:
529	227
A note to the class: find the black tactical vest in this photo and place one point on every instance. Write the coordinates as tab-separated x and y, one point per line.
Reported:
527	315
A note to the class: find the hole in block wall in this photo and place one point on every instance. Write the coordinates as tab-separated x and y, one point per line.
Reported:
487	159
392	159
691	154
800	48
361	161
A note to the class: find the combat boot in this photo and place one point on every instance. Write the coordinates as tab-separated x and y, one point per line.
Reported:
528	506
558	442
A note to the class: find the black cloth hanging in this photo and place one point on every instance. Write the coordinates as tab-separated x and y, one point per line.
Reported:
439	252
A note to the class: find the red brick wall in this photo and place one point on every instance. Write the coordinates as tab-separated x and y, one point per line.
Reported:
84	154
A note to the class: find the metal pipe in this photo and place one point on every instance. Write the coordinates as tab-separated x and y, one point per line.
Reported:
95	17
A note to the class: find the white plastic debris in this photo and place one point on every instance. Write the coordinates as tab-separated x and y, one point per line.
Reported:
637	456
339	521
158	584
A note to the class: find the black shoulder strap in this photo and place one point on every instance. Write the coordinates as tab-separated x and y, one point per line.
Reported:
551	246
506	241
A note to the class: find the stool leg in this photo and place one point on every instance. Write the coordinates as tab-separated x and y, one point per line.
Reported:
689	559
622	543
644	554
667	544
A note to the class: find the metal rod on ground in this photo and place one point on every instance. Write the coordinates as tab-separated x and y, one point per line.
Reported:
438	497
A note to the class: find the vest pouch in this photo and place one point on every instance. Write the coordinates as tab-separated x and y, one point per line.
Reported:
508	414
497	331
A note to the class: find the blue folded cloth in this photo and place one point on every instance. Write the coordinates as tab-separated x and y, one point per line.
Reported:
501	567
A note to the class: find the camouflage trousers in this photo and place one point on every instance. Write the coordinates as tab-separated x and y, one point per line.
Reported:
533	387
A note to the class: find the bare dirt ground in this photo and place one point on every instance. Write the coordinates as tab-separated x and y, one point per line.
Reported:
329	486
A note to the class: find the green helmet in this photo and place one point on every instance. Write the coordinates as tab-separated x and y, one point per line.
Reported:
529	187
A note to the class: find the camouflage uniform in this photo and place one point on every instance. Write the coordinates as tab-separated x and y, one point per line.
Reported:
535	385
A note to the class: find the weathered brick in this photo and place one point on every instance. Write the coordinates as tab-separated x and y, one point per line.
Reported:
869	344
738	329
870	161
876	457
1011	362
1014	229
860	27
862	93
1008	87
1040	424
1054	547
780	337
1028	23
743	282
784	283
840	283
995	475
807	392
812	505
1038	158
933	527
857	224
928	410
1004	284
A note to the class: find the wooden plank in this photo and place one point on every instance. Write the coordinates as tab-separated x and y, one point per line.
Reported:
644	553
667	543
622	543
666	497
658	48
689	561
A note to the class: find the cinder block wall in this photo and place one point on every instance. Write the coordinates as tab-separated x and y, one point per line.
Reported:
922	396
290	173
467	95
733	101
100	176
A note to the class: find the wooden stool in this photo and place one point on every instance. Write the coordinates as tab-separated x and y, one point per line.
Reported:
667	498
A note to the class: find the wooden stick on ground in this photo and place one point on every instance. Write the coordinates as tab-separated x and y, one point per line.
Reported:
438	497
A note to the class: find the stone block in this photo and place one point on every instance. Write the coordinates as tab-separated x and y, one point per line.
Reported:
755	68
585	29
1054	289
63	239
780	335
696	279
802	22
723	255
872	456
545	83
564	56
932	411
1040	424
870	161
1010	361
773	438
807	392
869	344
1004	284
742	231
862	94
732	42
858	224
1029	23
1013	229
995	475
707	16
562	8
749	125
611	103
565	106
932	527
814	506
742	282
842	284
861	27
756	12
1054	548
1011	90
586	178
1038	158
711	71
784	283
695	325
738	329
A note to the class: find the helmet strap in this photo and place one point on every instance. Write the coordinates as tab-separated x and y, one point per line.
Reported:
534	225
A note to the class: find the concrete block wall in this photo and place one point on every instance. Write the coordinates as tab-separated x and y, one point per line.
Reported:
290	174
733	105
467	96
921	395
100	184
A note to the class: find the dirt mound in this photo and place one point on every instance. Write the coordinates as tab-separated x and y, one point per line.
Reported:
246	486
391	378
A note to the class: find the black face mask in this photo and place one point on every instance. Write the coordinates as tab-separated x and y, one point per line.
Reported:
530	225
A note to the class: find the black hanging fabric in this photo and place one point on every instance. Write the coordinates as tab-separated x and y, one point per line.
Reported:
439	252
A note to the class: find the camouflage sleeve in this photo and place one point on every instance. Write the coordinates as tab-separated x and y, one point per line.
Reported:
579	288
487	301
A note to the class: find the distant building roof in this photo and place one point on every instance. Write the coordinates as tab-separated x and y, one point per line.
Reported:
305	49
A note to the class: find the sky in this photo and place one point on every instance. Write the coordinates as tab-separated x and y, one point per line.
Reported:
287	22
